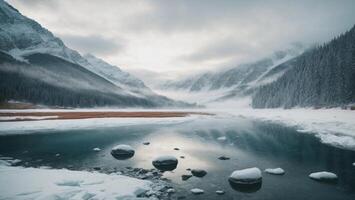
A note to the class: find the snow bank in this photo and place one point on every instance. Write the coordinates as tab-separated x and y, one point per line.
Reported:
333	126
122	152
26	127
33	183
7	118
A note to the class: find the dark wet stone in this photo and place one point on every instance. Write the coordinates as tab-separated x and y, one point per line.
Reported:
182	157
188	169
165	163
176	149
122	152
247	188
198	172
146	143
223	158
185	177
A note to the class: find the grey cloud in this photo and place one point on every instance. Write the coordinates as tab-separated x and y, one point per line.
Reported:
95	44
240	28
221	49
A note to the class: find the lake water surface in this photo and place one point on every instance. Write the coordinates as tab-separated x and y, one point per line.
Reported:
248	144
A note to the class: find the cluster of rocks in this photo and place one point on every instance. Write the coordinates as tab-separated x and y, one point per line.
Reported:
244	180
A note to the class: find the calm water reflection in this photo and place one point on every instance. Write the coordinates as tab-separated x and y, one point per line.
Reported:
248	144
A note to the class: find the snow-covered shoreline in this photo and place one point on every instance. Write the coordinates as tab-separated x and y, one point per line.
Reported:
39	183
27	127
333	126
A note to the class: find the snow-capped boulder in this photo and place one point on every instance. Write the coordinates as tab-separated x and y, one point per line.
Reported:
197	191
246	176
122	152
96	149
275	171
222	138
323	176
198	172
220	192
246	180
170	190
165	163
185	177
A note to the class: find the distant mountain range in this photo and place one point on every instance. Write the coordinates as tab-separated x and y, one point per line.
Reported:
322	76
240	80
37	67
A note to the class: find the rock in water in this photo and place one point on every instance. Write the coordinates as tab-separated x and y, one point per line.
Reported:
96	149
146	143
197	191
222	138
176	149
323	176
184	177
223	158
246	180
220	192
170	190
165	163
275	171
198	172
122	152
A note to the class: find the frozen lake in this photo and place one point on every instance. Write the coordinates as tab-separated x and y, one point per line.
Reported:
247	143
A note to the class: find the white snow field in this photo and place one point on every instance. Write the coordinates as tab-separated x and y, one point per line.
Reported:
39	183
28	127
332	126
27	118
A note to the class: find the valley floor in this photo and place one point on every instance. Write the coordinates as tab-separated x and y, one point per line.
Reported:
19	115
333	126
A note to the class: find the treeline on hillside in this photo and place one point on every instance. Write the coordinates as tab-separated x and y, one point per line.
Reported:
22	88
321	77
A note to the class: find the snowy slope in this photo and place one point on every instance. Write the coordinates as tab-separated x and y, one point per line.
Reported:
244	75
27	41
115	75
230	83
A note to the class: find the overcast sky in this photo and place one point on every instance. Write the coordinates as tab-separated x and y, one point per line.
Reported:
188	35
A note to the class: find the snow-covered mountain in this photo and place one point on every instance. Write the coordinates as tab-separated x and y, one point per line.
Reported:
30	51
115	75
237	81
321	77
